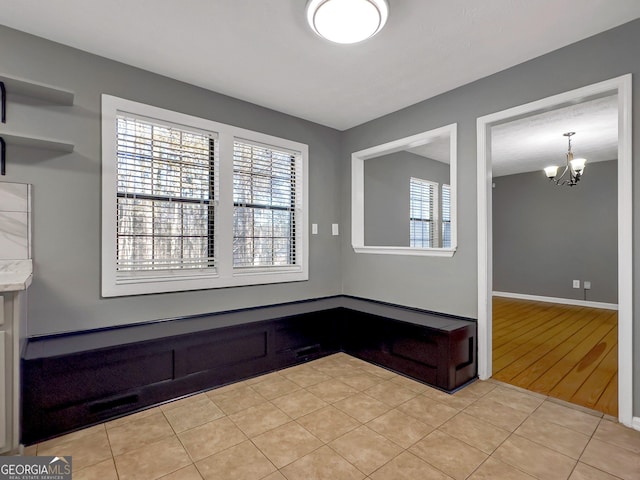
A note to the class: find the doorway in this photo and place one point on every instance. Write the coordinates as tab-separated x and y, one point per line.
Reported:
621	87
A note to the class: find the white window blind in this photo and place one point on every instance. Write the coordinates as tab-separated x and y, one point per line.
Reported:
446	216
266	199
166	197
422	213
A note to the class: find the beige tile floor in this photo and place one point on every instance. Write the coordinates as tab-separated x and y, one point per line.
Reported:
340	418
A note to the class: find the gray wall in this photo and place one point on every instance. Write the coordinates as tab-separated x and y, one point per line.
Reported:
545	236
450	284
386	195
65	295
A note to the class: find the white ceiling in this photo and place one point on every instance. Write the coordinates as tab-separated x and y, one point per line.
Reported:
262	51
532	143
436	149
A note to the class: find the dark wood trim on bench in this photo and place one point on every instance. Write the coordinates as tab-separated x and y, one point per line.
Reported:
74	380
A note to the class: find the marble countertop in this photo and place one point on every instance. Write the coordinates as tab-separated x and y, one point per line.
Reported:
15	275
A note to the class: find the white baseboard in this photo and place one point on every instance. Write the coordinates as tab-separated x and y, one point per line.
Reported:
635	423
564	301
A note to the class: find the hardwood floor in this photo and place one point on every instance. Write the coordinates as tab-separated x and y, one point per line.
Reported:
564	351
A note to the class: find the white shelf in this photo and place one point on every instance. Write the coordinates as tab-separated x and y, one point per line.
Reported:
37	142
39	90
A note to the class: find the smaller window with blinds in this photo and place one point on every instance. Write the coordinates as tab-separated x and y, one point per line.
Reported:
265	205
446	216
165	197
423	213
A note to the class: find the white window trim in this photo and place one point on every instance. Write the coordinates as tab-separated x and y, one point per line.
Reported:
225	275
357	193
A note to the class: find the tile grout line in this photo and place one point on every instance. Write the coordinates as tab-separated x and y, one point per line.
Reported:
113	457
511	433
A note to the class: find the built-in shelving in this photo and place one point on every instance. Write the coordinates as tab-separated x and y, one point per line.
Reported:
29	88
36	142
48	93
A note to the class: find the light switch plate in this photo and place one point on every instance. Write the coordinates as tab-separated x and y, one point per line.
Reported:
314	229
334	229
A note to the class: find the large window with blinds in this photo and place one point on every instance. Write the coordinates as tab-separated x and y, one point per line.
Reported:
193	204
166	178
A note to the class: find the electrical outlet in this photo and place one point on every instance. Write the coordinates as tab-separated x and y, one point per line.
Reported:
576	284
587	285
334	229
314	229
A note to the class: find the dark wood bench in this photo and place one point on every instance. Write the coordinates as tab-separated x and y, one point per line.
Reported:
75	380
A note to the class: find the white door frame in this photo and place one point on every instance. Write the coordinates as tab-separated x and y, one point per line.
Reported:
622	87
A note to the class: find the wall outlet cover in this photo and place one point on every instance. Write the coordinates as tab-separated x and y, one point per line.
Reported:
576	284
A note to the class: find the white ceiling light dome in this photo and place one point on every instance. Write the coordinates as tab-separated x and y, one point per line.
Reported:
347	21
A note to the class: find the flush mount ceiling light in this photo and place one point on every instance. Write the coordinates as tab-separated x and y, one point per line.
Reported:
347	21
575	167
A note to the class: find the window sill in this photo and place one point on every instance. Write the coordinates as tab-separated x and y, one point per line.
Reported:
168	285
412	251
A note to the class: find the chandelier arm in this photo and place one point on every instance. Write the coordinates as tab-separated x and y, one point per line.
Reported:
564	172
558	182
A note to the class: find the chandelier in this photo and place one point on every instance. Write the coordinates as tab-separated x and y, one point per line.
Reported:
574	166
347	21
